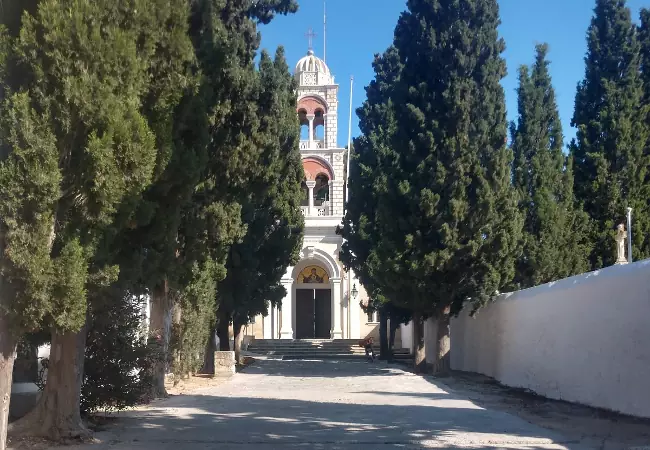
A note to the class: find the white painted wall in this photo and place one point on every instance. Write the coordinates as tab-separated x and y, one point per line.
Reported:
584	339
430	338
406	332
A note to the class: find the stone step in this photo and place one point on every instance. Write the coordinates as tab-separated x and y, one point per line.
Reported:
303	345
298	349
307	341
301	356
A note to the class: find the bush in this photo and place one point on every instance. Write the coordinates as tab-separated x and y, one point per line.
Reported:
119	356
189	337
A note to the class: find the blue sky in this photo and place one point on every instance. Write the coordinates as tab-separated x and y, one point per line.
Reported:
357	29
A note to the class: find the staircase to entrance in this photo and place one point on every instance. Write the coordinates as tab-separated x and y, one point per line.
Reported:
316	349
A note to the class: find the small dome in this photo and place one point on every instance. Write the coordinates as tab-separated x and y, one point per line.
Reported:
311	63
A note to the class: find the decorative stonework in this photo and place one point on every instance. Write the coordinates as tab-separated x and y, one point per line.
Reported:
621	236
309	79
224	364
309	252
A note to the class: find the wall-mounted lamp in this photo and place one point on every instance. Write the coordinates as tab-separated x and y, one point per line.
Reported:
354	291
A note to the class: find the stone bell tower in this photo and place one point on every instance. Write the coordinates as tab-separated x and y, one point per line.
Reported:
318	113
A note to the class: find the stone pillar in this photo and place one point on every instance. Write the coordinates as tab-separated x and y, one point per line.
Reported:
286	332
311	185
330	211
355	309
224	364
276	323
336	332
267	324
336	199
311	118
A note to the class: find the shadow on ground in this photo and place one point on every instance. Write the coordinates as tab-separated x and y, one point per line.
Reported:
308	404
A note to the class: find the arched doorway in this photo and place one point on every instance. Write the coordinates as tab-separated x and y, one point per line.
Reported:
313	310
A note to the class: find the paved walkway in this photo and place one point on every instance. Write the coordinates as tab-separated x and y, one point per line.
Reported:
322	405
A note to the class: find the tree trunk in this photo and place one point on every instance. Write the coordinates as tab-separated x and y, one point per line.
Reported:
210	348
57	414
442	364
222	331
7	356
238	330
420	359
160	325
383	334
177	330
391	338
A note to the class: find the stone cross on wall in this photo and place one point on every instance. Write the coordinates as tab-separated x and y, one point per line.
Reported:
621	236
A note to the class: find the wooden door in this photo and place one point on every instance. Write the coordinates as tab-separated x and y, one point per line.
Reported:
305	313
323	314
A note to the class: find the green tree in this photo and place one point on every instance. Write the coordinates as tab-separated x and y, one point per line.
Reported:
377	123
28	170
149	248
610	165
86	68
226	40
447	211
11	13
641	236
552	227
271	206
196	307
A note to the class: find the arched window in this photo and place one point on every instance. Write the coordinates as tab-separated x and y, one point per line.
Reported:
322	189
319	125
304	124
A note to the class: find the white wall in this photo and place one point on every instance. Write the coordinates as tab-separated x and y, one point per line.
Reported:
406	332
584	339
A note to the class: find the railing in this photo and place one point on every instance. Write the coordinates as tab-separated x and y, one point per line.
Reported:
315	144
316	211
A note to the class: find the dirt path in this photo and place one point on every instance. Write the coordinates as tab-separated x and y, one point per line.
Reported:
322	405
591	427
360	406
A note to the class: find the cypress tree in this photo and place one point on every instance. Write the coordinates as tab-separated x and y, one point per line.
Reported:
609	161
11	13
225	41
644	43
641	236
271	207
376	122
148	249
552	227
447	212
86	79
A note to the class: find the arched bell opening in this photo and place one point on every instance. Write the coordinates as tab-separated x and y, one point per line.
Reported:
319	125
322	189
304	124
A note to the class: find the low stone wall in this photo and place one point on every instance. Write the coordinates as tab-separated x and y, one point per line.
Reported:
584	339
224	364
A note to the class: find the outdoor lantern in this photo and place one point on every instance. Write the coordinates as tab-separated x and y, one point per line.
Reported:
354	291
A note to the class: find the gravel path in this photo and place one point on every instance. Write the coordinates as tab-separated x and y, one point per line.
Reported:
322	405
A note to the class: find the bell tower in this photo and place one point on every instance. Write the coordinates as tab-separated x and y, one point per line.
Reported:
323	160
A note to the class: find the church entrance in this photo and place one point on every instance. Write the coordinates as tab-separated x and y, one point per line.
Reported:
313	313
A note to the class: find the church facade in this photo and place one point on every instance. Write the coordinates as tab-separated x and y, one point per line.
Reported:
322	300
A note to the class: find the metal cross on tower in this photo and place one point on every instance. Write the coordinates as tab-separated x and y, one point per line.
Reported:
310	35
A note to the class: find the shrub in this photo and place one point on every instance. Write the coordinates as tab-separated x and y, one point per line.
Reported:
119	357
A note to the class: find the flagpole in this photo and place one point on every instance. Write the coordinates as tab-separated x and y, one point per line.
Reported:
324	31
347	173
347	197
